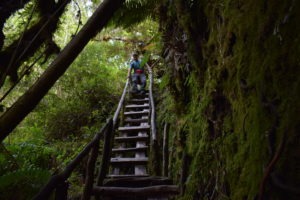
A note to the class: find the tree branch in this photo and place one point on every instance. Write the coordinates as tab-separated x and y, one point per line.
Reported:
26	103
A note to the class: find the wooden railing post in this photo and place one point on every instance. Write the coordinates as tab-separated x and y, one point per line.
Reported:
154	144
153	125
61	192
120	105
166	150
88	187
106	154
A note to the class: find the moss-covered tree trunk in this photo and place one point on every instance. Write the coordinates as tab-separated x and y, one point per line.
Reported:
233	72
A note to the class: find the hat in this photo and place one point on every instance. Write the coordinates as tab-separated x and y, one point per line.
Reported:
135	54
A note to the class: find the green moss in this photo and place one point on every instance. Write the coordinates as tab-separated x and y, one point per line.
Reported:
244	96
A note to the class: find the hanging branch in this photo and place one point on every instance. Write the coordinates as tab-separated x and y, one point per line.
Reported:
21	38
42	31
79	16
7	9
12	59
26	71
26	103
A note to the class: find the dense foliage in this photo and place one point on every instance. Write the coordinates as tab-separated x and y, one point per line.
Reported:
227	85
74	109
70	114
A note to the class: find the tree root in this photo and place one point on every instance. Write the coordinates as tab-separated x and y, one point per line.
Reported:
270	167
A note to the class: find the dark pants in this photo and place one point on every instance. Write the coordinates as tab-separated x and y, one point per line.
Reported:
138	79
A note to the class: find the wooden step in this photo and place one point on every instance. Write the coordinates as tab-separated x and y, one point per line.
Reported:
139	106
125	150
131	138
130	161
124	176
138	95
151	191
145	100
131	113
140	120
136	181
134	128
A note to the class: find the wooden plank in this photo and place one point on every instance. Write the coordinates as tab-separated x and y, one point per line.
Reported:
137	106
151	191
145	100
116	170
141	169
134	128
140	181
137	95
122	176
144	112
134	161
124	150
140	120
132	138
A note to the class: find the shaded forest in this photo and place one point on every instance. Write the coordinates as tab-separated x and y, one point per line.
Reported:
226	90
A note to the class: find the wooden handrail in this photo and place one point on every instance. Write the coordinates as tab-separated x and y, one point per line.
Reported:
166	150
153	125
121	102
56	179
154	144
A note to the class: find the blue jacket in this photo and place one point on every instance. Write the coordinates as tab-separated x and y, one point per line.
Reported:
136	65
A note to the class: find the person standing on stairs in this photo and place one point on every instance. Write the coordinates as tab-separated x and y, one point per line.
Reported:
138	75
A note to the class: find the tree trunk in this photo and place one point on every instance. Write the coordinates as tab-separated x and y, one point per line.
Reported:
25	104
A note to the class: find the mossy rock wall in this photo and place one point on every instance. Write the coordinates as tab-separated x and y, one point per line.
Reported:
231	94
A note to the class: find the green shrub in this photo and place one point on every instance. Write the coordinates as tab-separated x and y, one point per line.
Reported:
23	183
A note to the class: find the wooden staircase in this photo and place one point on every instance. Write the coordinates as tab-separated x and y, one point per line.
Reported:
129	175
131	145
123	172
